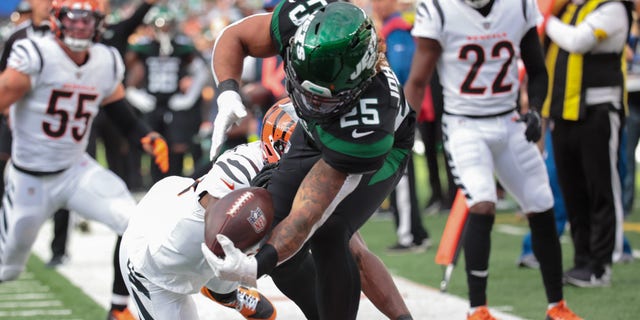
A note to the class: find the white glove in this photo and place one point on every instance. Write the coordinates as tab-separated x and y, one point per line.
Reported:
230	110
235	266
140	99
181	102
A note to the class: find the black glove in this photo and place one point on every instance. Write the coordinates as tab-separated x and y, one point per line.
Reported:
534	126
263	177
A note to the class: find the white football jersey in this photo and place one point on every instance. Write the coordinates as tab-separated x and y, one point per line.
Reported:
478	66
164	236
233	170
165	232
51	123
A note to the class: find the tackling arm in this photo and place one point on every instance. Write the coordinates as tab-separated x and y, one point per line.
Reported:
248	37
318	189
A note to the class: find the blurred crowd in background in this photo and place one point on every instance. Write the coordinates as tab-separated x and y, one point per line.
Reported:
201	21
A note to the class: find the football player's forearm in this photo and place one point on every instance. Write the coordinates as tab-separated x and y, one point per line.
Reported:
227	62
423	65
228	58
414	95
289	236
533	59
318	189
4	94
12	88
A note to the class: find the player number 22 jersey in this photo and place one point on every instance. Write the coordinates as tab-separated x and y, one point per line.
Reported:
478	66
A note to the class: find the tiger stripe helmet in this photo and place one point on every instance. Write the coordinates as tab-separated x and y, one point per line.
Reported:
277	126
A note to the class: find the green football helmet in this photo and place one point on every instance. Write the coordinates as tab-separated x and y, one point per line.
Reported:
330	61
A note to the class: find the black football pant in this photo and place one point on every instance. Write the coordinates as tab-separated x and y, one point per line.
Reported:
334	285
586	155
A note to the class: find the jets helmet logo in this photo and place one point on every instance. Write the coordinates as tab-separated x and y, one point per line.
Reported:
368	59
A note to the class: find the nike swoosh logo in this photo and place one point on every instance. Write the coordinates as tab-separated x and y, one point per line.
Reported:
355	134
231	186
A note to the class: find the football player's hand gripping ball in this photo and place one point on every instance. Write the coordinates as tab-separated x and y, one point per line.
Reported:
235	266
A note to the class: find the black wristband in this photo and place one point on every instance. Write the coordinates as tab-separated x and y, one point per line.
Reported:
229	84
267	259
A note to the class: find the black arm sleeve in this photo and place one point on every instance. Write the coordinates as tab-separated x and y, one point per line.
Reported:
121	113
123	29
5	53
533	59
6	50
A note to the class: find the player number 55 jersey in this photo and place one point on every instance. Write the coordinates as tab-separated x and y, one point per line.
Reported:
478	65
51	123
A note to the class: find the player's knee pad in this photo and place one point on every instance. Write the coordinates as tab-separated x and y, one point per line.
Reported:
472	166
528	157
466	152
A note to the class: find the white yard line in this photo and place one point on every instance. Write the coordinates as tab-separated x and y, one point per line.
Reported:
90	269
28	298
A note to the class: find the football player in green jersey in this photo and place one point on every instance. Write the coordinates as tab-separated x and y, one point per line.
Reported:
351	148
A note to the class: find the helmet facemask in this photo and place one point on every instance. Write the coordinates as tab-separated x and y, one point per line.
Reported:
315	102
79	29
330	61
78	23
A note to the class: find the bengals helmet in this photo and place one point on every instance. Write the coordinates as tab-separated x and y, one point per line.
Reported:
277	127
78	23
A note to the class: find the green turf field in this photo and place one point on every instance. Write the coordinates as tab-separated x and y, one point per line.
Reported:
518	291
42	293
47	295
